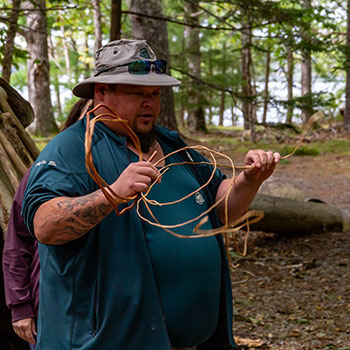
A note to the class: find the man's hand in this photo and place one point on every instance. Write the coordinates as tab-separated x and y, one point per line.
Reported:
25	329
263	163
136	178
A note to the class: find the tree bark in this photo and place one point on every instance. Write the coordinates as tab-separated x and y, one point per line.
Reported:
96	5
15	157
156	34
247	90
39	68
347	65
116	15
10	41
290	216
223	93
306	71
17	149
195	117
290	81
66	52
267	79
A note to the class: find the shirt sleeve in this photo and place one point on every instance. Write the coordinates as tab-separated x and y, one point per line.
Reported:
59	171
18	254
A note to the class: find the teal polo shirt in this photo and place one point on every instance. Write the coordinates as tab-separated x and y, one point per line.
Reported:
187	271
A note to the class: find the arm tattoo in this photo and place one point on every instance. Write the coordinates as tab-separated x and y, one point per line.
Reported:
74	217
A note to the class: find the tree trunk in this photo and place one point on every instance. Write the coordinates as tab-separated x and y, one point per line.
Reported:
87	69
247	107
195	117
246	81
347	65
116	15
267	79
223	93
290	216
306	71
66	52
10	41
39	68
290	81
182	88
156	34
96	5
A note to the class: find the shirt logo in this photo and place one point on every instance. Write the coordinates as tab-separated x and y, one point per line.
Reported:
40	163
199	198
43	162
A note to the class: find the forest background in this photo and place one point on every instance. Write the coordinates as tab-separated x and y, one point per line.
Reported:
241	62
248	66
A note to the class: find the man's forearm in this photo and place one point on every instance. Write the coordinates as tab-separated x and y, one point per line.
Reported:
241	195
64	219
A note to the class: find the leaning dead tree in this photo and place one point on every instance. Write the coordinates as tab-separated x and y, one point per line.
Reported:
17	150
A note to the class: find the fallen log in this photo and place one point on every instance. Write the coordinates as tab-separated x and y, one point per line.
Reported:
290	216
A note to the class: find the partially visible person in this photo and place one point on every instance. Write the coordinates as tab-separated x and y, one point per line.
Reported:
20	257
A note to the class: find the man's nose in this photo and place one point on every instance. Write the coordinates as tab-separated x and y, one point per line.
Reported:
149	99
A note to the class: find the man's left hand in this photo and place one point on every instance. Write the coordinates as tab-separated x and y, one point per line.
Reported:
263	164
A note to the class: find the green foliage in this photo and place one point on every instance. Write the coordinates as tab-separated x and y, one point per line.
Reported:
276	25
301	151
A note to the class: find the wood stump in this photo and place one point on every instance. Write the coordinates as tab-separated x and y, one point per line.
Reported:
17	150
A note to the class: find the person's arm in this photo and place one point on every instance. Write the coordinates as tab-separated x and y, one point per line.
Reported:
18	254
63	219
246	184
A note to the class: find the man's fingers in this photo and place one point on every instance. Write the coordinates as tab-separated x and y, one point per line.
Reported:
277	157
29	336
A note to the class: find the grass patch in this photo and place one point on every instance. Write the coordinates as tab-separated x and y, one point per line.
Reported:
301	151
341	147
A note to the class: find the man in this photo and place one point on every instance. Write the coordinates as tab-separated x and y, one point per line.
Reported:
20	261
117	282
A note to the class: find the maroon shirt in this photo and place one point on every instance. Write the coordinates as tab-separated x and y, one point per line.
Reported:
20	263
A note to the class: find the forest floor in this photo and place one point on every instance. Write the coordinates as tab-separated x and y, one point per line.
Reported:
293	292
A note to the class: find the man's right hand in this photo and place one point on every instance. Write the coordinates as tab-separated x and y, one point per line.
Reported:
136	178
25	329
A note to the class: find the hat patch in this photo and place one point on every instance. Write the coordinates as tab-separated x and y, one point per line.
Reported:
144	53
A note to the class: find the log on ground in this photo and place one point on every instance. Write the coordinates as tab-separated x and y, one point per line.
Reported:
290	216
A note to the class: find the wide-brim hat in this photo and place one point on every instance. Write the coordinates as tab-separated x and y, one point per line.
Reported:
111	67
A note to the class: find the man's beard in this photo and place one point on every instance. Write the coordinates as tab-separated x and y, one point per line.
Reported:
146	140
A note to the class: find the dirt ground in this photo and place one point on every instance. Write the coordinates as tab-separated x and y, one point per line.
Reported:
293	292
